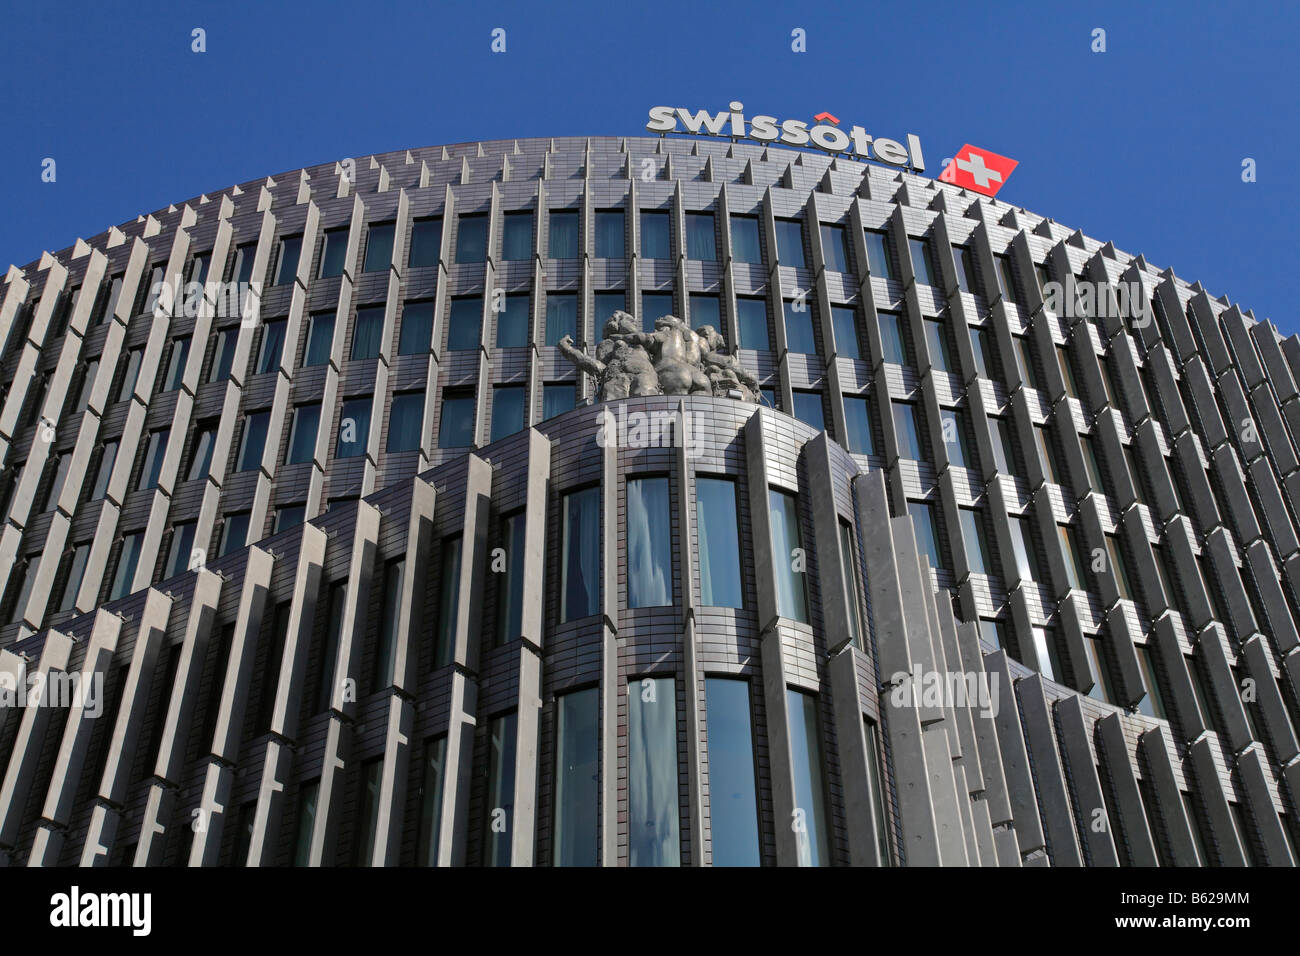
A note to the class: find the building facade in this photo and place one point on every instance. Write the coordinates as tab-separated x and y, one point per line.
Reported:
296	475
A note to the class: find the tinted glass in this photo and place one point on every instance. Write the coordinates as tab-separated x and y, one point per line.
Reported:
406	420
751	316
580	554
810	801
654	236
719	542
733	802
787	556
379	248
426	237
649	543
745	246
417	328
507	410
512	322
302	436
577	778
653	817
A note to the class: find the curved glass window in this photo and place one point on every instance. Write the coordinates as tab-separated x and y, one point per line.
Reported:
649	543
577	778
719	542
580	555
733	800
653	815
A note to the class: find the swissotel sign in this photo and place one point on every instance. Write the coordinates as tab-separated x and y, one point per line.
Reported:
825	136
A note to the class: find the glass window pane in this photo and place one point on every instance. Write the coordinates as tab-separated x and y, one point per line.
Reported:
564	235
234	533
655	305
431	790
857	422
379	248
733	801
850	576
201	454
845	320
253	441
127	560
334	252
286	263
512	322
272	347
974	537
580	555
1021	542
386	645
499	807
406	420
787	556
719	542
649	543
426	238
655	236
799	335
700	241
448	601
607	303
320	339
354	428
955	439
936	339
879	263
176	364
471	238
417	328
510	586
561	316
517	237
893	337
751	316
507	410
1006	278
909	432
577	778
155	450
368	332
705	311
926	524
178	553
302	436
463	326
834	248
558	398
789	243
920	249
223	355
306	823
745	246
653	815
808	409
809	794
609	234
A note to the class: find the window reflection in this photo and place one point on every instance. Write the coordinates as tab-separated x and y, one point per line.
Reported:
809	797
652	798
580	555
577	777
649	545
719	542
733	803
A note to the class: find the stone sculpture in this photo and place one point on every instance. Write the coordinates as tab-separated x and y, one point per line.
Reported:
674	359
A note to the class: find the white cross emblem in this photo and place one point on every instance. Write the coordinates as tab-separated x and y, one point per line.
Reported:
978	171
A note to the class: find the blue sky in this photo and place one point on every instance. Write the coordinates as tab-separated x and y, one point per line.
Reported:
1141	145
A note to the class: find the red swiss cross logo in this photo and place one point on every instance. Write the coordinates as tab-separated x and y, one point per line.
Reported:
978	169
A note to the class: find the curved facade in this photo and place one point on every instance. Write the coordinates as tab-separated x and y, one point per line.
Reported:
303	483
